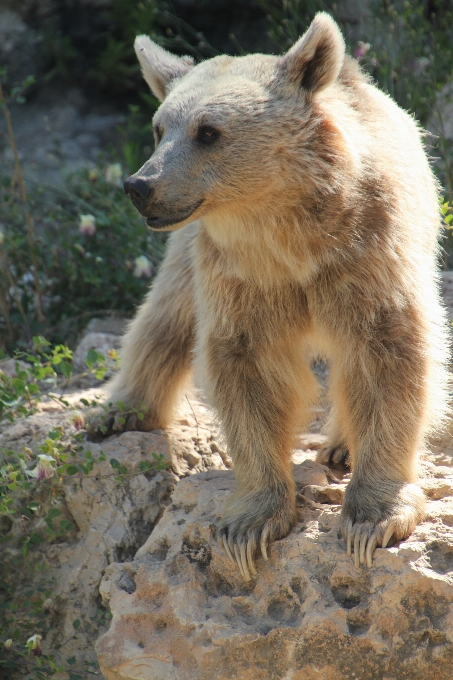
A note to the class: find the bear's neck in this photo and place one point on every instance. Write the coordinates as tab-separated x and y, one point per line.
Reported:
264	247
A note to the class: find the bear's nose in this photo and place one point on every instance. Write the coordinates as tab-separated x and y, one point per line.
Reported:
138	187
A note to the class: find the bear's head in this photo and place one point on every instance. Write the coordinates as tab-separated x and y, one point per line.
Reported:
231	131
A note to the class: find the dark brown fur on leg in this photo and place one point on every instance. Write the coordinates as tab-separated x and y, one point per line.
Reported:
157	348
261	385
383	414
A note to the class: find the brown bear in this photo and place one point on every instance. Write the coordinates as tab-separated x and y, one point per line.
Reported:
309	223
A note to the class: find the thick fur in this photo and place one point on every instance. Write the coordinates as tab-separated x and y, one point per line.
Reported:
313	228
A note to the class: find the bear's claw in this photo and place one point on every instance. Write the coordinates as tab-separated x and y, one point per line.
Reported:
334	454
365	538
241	555
241	552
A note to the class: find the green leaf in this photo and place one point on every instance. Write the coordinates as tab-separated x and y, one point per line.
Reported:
76	624
36	538
39	341
114	463
71	661
71	470
19	385
66	369
92	357
66	525
25	549
53	512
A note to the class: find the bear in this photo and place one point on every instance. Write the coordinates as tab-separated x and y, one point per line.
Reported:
305	222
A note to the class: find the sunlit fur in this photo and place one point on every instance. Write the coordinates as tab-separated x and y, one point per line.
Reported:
317	234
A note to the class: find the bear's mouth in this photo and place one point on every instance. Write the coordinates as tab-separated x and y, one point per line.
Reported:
162	223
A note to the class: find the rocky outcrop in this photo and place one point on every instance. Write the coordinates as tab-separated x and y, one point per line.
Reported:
181	609
110	520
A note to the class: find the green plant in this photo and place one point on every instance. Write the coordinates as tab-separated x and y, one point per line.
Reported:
85	267
137	143
25	620
32	492
59	53
17	94
116	65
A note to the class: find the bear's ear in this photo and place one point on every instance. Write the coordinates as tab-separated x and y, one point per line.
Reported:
315	60
159	67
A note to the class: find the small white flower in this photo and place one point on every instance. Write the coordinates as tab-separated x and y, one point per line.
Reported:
87	225
43	457
34	645
114	174
78	421
47	605
143	267
34	641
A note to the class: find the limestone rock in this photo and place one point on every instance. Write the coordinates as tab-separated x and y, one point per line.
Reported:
110	520
101	342
181	609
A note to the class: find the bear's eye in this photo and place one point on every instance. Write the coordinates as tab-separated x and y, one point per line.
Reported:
158	134
207	135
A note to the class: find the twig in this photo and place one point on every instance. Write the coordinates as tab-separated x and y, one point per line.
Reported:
193	413
23	194
24	528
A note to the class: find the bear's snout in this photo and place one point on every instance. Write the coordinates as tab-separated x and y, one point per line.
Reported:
139	188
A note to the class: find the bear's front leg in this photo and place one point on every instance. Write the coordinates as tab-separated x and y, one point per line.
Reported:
260	392
380	389
156	355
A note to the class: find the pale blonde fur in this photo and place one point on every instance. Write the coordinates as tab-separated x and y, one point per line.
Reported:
316	226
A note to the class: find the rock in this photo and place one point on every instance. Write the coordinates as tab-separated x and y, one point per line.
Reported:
116	325
51	133
10	366
101	342
310	472
332	494
110	520
311	440
181	609
19	48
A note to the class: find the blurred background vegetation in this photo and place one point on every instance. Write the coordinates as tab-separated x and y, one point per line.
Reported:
55	270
